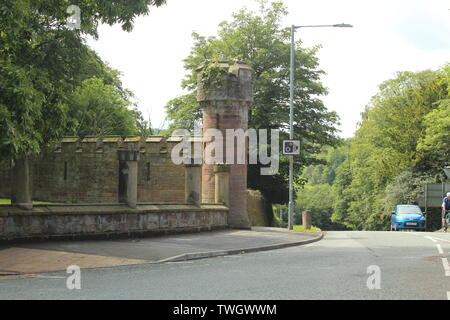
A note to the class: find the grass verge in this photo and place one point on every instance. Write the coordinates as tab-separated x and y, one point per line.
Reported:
8	201
299	228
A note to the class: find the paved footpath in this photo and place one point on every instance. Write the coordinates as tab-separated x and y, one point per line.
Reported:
36	257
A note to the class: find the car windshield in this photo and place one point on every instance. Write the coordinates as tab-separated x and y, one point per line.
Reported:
409	210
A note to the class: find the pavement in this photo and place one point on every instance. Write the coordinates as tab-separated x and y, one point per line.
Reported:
51	256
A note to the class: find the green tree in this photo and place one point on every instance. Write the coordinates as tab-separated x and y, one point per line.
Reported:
326	172
319	199
99	109
183	112
399	120
434	146
406	188
40	64
260	40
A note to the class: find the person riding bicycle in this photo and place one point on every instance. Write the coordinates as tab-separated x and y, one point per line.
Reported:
446	211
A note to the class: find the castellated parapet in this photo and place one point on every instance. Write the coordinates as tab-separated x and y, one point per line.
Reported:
225	106
87	171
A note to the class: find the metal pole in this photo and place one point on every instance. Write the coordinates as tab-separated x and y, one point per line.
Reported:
426	206
291	129
442	210
291	113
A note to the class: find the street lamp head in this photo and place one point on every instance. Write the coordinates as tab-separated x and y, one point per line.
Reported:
339	25
343	25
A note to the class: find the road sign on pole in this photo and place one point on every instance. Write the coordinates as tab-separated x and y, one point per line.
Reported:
291	147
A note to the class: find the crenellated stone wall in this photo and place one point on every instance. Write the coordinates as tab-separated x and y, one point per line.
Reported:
87	171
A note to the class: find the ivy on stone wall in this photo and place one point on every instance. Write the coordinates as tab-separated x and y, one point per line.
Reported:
213	74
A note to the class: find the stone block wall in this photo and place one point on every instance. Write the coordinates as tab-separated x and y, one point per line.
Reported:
259	209
159	179
77	171
95	220
87	171
5	182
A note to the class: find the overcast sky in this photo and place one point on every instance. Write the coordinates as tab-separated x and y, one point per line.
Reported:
388	36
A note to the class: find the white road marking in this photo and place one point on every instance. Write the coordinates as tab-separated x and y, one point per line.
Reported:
51	277
440	239
444	260
446	267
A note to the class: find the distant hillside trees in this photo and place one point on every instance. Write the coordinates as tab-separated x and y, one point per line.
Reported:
402	142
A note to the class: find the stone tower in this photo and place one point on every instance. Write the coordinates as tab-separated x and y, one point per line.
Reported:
225	105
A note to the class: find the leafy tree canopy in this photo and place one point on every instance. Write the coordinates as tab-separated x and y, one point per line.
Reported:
260	40
402	142
99	109
42	62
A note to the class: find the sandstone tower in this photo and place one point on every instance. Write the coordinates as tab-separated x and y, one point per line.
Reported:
225	105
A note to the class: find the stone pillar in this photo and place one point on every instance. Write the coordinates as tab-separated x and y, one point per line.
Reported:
21	184
128	176
306	219
222	184
192	184
225	106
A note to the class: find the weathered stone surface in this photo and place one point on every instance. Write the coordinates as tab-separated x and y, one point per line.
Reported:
172	220
237	84
306	219
152	221
14	223
193	184
88	171
90	223
226	107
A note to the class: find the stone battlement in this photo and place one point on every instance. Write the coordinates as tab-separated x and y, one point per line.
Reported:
86	170
93	144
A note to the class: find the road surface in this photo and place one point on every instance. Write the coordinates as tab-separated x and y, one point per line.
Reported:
395	265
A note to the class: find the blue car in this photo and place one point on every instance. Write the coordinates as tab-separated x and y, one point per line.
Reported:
407	216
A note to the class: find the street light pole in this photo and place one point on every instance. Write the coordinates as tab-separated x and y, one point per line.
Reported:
291	130
291	112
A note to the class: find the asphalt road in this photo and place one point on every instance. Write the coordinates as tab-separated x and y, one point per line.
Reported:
411	266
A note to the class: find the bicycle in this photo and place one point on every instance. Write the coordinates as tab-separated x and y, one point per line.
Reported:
445	218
